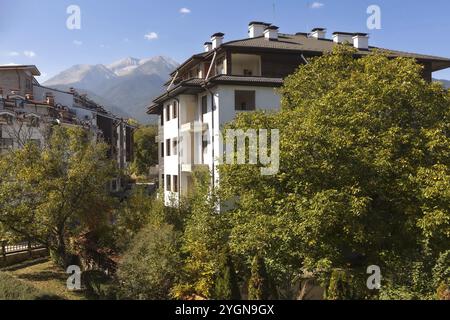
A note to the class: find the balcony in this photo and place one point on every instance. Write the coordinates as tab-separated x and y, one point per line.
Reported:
193	127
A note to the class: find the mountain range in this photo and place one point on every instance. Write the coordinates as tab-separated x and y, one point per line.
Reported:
445	83
125	87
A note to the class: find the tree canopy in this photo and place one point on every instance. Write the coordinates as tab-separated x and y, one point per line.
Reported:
52	193
364	170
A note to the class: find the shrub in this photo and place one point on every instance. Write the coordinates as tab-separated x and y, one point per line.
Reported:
259	286
340	286
98	285
150	267
14	289
226	286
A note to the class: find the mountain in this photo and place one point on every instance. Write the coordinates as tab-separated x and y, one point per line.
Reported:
445	83
125	87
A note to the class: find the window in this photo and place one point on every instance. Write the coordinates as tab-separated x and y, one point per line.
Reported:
174	146
204	104
175	183
28	84
168	113
162	149
168	147
162	181
244	100
175	110
6	143
162	118
168	182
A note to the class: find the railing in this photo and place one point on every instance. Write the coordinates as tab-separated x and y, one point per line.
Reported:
8	249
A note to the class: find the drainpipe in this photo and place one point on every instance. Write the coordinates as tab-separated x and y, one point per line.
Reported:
178	151
212	118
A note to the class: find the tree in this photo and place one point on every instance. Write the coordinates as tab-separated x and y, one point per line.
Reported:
51	194
258	285
150	267
203	240
226	287
145	149
340	287
364	167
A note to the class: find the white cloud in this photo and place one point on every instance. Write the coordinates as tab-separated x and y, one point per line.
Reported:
317	5
77	42
29	54
185	10
13	54
151	36
9	64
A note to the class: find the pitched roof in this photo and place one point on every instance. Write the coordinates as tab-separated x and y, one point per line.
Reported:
302	43
34	70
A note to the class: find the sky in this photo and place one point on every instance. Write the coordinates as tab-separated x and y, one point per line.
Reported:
36	32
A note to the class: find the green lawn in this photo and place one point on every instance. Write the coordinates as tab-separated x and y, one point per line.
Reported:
47	277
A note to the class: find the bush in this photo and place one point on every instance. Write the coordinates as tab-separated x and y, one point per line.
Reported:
259	286
226	287
98	285
340	287
14	289
150	267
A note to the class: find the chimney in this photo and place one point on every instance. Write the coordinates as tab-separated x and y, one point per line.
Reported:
217	39
318	33
256	29
361	41
271	33
342	37
208	46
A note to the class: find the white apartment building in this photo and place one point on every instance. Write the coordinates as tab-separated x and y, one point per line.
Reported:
211	87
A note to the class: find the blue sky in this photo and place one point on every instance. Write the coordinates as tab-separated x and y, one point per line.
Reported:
35	32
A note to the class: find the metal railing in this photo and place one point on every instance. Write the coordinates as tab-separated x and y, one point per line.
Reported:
28	246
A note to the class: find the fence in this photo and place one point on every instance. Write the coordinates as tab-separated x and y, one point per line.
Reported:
8	249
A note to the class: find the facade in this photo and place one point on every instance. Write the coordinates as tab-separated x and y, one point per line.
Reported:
211	87
28	110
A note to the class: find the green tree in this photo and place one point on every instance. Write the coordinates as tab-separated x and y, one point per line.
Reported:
258	285
145	149
340	287
51	194
364	167
226	287
134	214
151	266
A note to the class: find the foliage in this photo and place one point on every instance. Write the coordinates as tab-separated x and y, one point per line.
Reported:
226	286
258	285
203	240
340	287
53	193
135	213
364	174
145	149
14	289
98	285
150	267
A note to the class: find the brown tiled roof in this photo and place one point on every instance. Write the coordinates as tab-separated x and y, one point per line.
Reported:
303	43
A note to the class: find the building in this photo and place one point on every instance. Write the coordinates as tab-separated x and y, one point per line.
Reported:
28	110
211	87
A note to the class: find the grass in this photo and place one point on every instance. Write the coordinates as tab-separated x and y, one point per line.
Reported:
41	279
